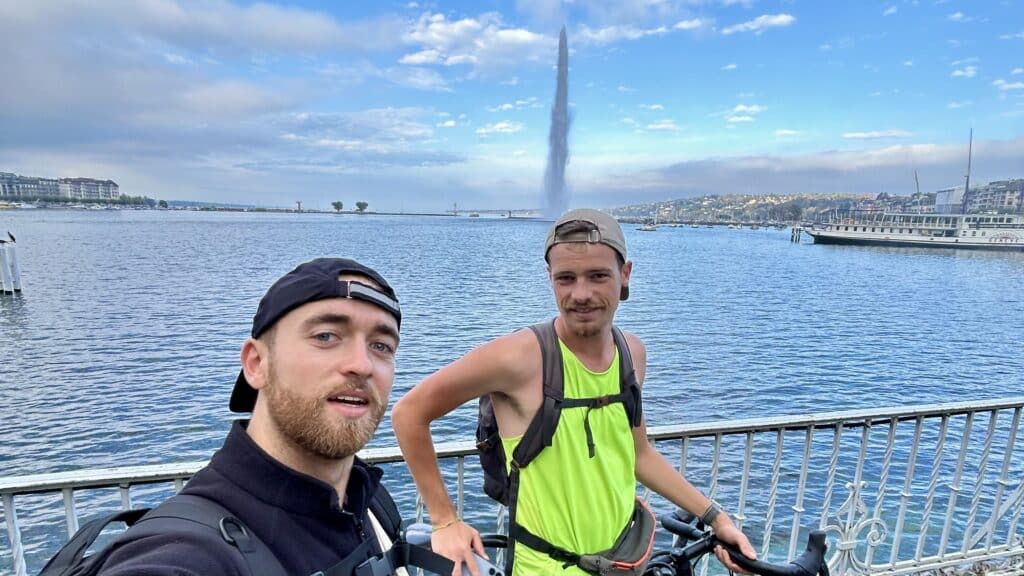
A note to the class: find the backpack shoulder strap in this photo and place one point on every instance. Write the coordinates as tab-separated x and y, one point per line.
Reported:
628	384
71	555
385	511
541	429
190	513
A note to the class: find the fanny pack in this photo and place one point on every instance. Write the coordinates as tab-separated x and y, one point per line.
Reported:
628	557
632	548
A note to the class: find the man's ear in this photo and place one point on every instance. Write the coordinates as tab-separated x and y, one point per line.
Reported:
255	362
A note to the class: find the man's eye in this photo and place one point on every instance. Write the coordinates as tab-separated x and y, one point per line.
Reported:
324	337
383	347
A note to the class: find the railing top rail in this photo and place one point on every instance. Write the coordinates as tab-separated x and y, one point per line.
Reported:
105	477
848	418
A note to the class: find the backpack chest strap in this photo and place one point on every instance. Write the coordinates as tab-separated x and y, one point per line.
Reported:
596	402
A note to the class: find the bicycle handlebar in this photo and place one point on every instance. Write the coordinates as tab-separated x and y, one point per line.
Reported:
810	563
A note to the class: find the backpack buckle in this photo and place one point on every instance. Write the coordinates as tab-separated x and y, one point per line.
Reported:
240	538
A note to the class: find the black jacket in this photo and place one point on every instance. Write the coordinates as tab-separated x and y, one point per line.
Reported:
297	516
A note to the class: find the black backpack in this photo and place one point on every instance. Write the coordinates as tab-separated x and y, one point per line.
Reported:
504	486
189	513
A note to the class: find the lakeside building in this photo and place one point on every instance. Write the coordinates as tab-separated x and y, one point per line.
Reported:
998	196
949	200
17	186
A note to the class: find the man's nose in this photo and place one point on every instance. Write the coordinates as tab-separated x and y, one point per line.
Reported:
356	358
581	291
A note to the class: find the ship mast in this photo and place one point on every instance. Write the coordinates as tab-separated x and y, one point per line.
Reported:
917	186
967	184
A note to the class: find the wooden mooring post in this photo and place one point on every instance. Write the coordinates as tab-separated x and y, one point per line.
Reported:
794	235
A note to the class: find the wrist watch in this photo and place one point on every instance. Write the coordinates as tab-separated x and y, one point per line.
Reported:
712	512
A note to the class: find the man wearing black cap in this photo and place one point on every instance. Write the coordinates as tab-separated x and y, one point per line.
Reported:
316	375
570	479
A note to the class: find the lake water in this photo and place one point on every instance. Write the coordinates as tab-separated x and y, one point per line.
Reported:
123	347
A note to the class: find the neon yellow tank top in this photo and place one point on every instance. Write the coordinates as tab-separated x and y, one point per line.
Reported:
573	501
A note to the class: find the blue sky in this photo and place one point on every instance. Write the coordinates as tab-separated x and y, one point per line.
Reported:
417	105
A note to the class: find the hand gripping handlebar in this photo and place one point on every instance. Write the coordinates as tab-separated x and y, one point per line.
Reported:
810	563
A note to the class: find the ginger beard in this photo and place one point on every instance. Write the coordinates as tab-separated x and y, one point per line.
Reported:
310	424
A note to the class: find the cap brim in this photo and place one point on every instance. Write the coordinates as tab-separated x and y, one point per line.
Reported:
243	396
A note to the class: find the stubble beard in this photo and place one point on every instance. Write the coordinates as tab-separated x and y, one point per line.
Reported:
307	422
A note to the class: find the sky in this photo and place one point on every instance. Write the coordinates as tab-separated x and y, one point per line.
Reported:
416	106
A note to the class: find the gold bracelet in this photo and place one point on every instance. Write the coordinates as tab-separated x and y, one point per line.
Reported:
446	524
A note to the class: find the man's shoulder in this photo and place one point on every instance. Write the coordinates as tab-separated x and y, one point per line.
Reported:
175	547
514	349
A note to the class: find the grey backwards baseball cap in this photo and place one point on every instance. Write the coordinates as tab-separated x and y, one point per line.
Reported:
590	226
309	282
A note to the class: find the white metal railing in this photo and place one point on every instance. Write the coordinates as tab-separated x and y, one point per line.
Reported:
899	490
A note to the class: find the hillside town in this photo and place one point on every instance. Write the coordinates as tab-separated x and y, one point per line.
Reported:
998	197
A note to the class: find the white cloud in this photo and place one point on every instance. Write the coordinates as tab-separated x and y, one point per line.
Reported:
761	23
421	58
783	133
629	120
961	17
751	109
852	171
500	128
177	59
484	43
521	103
908	63
971	60
663	126
513	81
1017	71
739	118
1005	86
446	124
652	106
231	98
965	72
889	11
1018	36
957	105
610	34
251	28
729	67
625	89
874	135
690	24
824	47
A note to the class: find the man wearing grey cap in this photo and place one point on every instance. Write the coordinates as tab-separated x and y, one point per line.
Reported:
316	375
569	479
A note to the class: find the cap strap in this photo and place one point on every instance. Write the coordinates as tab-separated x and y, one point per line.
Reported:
360	291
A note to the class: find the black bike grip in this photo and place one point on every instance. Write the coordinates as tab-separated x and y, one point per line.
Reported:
809	563
680	528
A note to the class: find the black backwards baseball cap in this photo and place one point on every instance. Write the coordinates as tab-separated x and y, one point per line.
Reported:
309	282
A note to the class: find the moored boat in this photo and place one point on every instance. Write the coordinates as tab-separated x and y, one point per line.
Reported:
964	231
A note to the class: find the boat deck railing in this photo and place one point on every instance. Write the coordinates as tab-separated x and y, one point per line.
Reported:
898	490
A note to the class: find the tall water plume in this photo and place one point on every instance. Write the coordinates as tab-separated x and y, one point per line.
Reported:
558	138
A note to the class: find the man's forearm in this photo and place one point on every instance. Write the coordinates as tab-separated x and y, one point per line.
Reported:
654	472
417	447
